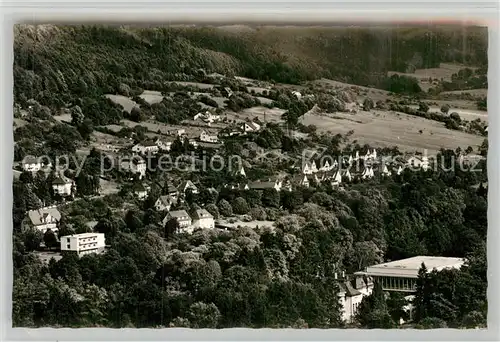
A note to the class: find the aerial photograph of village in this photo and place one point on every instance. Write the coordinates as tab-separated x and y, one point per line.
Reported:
250	176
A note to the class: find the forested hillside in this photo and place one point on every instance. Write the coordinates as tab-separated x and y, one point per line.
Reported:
56	64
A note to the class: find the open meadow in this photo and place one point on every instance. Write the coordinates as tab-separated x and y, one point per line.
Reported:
388	129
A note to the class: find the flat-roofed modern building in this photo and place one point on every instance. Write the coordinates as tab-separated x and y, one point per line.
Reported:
401	275
85	243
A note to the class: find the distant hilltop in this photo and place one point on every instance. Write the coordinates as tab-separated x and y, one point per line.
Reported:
64	56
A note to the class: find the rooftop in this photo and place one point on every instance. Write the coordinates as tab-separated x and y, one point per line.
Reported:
36	215
203	213
30	160
410	267
166	199
61	181
178	213
83	235
262	185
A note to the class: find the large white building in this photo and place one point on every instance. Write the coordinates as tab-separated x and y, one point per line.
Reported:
203	219
401	275
182	218
82	244
45	218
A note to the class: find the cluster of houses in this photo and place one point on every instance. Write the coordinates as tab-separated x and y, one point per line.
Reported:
206	136
316	172
354	166
200	218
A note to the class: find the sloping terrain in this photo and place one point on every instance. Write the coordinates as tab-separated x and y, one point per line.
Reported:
71	61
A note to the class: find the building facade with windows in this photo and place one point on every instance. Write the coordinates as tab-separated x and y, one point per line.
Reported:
82	244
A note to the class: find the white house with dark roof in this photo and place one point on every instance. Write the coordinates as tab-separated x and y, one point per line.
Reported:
367	173
146	147
385	171
135	165
207	117
140	191
182	218
309	168
209	138
33	164
327	166
421	162
242	186
398	169
250	126
188	185
347	175
336	179
163	203
63	186
164	145
172	191
351	294
356	156
240	171
370	155
203	219
301	180
45	218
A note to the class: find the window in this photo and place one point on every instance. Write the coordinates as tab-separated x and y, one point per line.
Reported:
68	246
67	240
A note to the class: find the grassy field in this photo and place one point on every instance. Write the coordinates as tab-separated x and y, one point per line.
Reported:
388	129
108	187
20	122
196	84
473	92
444	72
63	117
363	92
465	114
151	96
263	113
124	101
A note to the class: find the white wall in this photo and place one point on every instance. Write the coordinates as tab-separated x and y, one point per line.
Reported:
43	227
207	222
62	189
